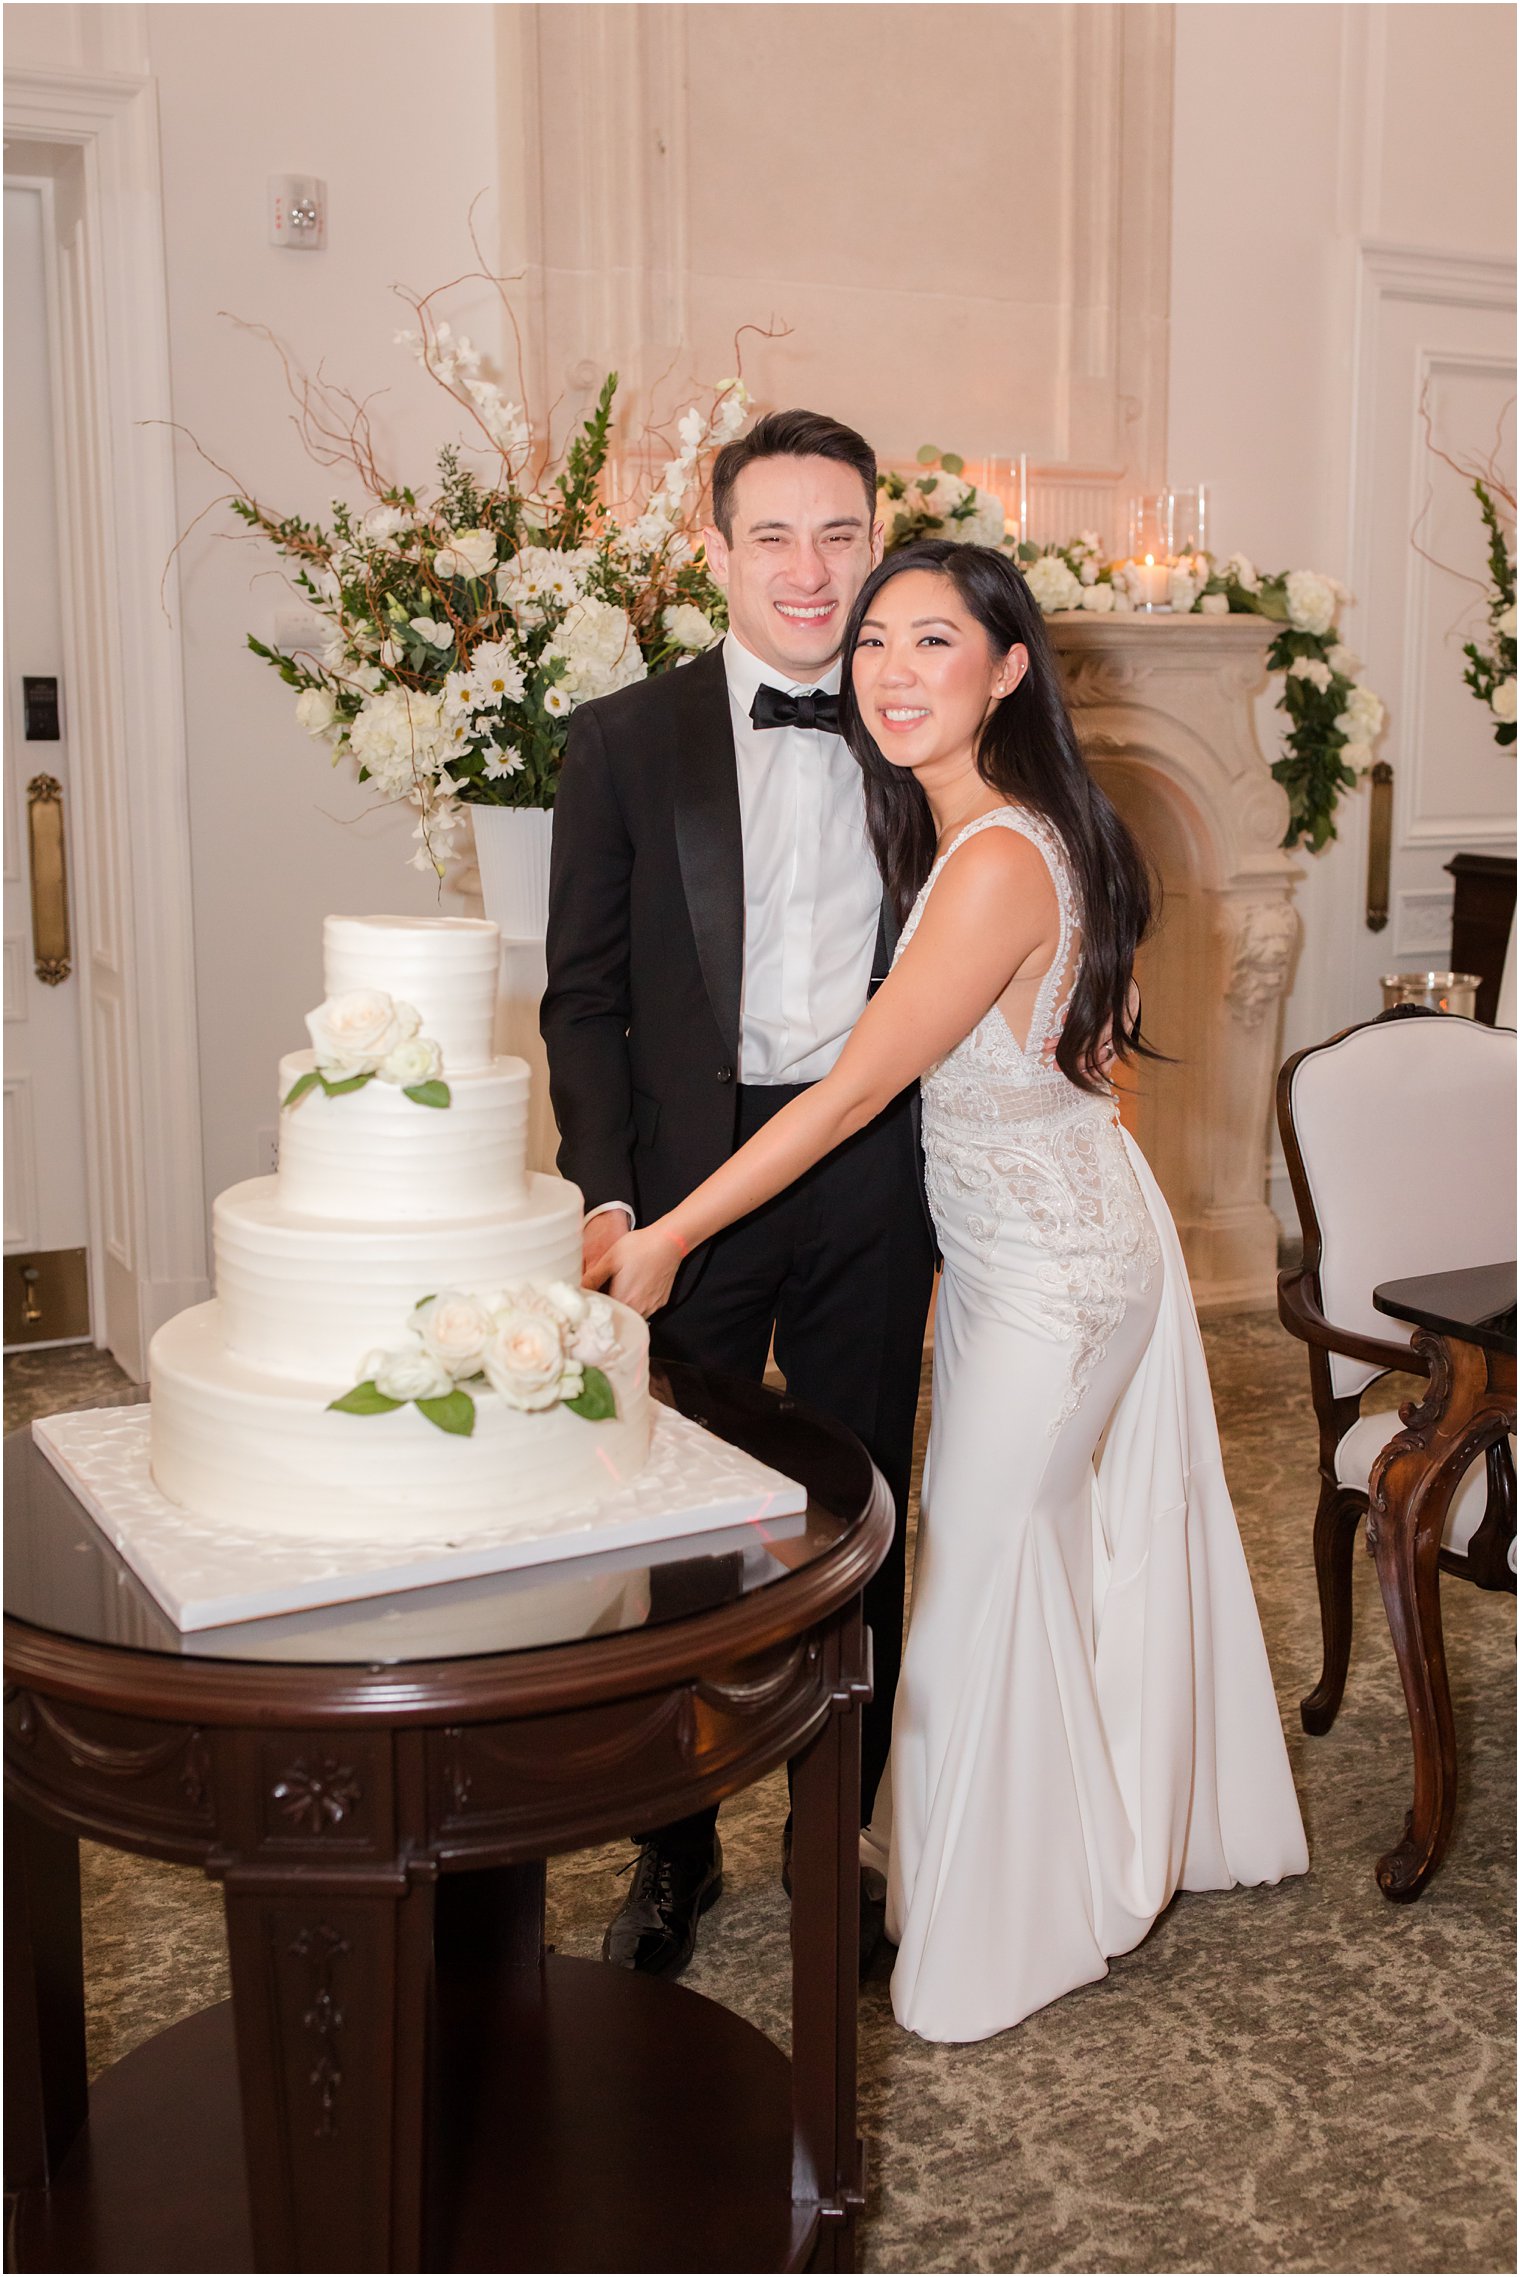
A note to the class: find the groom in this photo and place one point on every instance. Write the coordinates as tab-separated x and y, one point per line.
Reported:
716	921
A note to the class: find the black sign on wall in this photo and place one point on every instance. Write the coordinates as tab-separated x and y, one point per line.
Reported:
39	701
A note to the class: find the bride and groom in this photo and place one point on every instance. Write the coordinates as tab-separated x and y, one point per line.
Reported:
841	929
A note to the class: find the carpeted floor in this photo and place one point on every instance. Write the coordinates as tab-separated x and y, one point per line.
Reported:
1305	2078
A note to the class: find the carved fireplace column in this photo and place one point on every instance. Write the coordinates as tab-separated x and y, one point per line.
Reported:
1163	707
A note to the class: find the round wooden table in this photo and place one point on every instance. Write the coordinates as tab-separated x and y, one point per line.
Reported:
404	2079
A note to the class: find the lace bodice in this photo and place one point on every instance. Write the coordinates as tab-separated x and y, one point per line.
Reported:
973	1081
1014	1151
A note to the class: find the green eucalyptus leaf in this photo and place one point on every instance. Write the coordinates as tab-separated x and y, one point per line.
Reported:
300	1087
952	462
595	1401
455	1412
430	1094
927	454
364	1399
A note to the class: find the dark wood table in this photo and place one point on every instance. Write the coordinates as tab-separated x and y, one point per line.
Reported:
1465	1332
404	2078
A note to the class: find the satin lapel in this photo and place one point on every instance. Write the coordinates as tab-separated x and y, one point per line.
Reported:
709	836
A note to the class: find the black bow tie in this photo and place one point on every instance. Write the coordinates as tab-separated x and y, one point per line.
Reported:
771	708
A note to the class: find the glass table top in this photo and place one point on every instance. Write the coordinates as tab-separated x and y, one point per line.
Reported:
62	1574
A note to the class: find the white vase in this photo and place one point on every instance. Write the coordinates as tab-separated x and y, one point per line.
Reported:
512	849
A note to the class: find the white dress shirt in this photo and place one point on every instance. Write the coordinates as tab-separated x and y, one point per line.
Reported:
812	891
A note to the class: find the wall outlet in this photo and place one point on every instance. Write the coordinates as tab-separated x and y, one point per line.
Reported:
269	1151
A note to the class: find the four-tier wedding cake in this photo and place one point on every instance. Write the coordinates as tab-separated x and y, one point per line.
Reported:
399	1340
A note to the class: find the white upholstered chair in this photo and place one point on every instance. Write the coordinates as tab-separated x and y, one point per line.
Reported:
1400	1141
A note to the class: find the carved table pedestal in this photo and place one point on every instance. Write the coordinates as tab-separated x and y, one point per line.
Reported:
404	2079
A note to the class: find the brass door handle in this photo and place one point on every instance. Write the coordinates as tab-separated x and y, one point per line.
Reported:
1379	846
51	950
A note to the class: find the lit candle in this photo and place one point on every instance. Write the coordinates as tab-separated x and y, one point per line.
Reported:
1150	581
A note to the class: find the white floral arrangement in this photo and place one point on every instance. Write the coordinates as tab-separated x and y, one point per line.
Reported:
365	1036
1333	718
937	502
534	1348
465	630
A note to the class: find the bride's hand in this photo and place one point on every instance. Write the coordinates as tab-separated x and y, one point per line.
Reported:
640	1269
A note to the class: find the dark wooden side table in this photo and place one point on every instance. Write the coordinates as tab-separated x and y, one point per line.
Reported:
1465	1331
404	2079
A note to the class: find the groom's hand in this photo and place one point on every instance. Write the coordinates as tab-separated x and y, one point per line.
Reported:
598	1235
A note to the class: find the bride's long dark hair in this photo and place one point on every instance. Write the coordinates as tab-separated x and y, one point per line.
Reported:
1028	751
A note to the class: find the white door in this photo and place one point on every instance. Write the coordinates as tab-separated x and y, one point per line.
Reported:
46	1207
1439	348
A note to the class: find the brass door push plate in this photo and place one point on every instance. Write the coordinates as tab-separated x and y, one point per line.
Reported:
47	1296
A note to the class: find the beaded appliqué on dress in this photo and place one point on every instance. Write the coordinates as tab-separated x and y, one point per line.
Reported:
1005	1131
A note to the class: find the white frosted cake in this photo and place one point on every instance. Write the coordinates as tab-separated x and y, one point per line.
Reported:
398	1341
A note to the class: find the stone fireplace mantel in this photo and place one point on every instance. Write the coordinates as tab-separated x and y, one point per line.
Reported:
1163	709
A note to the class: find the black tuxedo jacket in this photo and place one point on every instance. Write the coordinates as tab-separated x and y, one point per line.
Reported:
646	940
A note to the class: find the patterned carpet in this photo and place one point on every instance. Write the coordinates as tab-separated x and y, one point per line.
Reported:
1305	2078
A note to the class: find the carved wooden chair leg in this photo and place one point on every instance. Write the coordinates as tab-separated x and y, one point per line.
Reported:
1410	1491
1340	1512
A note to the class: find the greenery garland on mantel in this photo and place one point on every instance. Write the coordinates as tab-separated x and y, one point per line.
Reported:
1333	719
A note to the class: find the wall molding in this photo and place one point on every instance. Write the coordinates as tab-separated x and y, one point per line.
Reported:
129	838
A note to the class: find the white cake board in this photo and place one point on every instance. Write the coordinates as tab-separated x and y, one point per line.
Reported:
205	1573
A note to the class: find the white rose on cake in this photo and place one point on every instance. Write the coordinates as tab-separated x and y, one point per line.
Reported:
455	1329
525	1360
569	1302
415	1060
596	1339
351	1034
411	1371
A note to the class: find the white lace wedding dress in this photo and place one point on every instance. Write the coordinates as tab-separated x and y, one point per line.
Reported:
1085	1721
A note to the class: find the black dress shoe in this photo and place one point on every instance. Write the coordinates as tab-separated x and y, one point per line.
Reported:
655	1928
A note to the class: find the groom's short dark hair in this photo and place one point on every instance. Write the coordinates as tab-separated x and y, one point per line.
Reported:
790	435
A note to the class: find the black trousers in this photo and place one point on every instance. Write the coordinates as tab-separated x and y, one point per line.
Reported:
839	1269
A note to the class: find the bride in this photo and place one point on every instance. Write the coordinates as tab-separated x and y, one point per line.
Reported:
1085	1721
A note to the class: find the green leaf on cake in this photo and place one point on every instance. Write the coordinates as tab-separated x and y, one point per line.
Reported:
364	1399
299	1089
349	1083
432	1094
454	1412
595	1401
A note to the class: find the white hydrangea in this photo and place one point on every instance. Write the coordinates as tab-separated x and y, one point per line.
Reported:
1052	584
1182	590
1311	600
1215	604
984	525
600	651
1504	623
1502	701
1243	571
1098	598
1341	659
1356	756
397	737
1310	668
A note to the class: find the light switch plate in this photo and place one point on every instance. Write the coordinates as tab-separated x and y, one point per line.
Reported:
298	212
